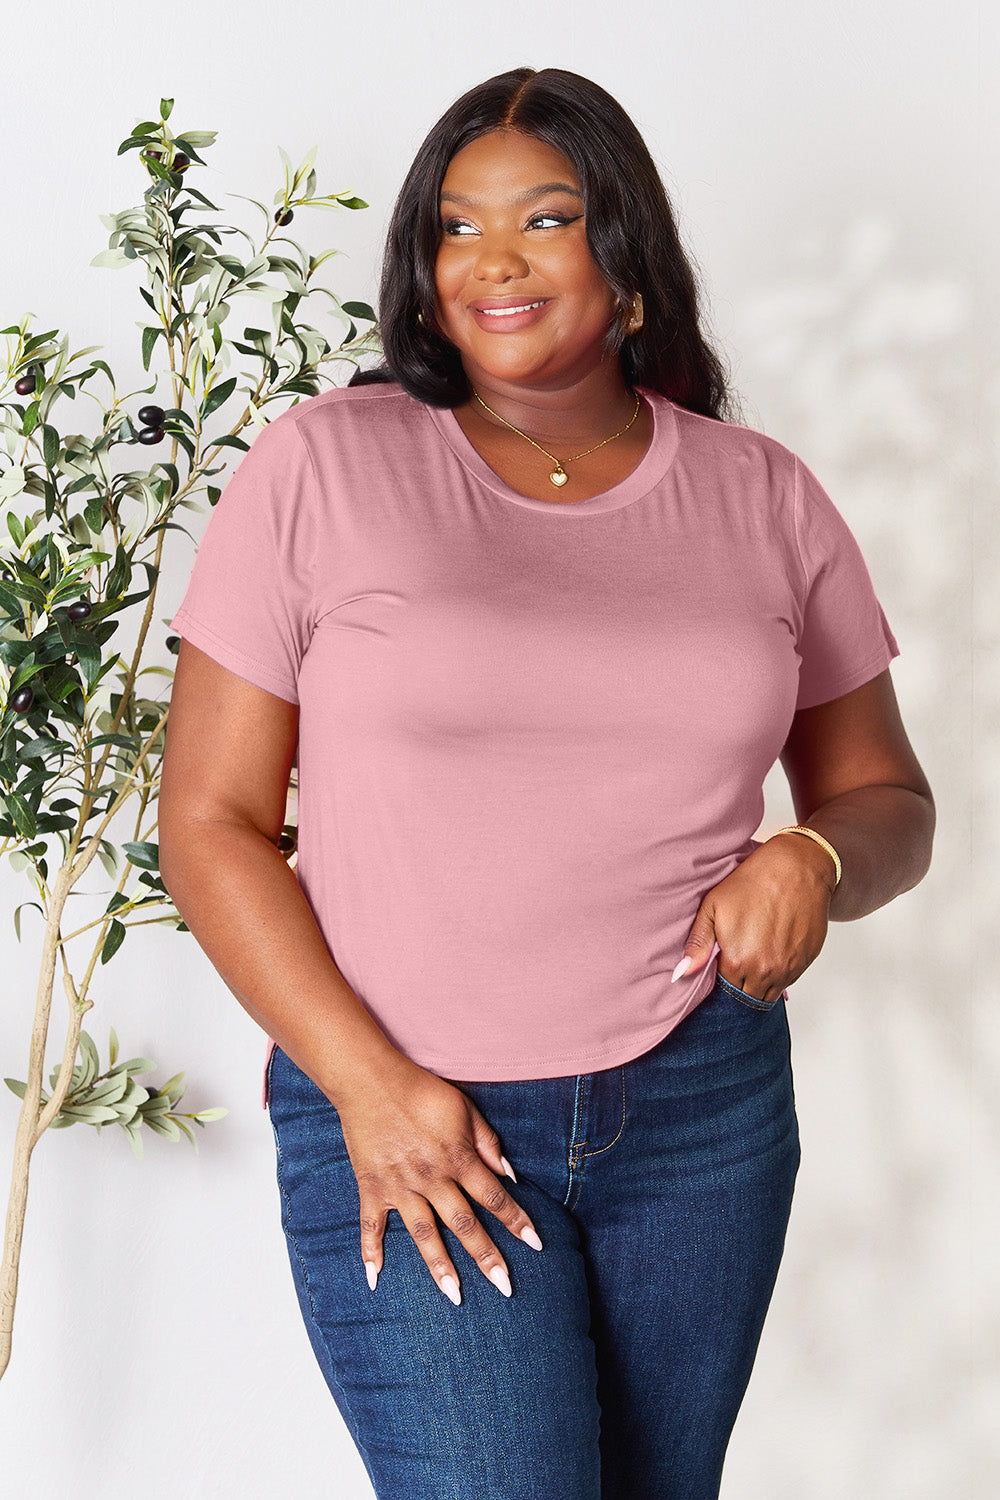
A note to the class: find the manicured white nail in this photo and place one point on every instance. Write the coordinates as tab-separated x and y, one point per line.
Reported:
530	1237
681	968
508	1168
449	1286
500	1279
372	1273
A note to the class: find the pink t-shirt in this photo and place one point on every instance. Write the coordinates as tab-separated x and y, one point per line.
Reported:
532	733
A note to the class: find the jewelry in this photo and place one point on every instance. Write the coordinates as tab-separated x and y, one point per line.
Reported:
636	316
558	475
819	839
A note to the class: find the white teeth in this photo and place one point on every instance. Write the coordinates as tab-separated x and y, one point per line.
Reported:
507	312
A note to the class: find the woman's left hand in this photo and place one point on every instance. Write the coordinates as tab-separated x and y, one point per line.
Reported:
769	917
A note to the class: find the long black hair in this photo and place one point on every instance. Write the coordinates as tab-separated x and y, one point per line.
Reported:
631	231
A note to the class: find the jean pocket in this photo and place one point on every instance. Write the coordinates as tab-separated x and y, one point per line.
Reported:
750	1001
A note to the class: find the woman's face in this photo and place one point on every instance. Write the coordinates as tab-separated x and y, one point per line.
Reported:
518	292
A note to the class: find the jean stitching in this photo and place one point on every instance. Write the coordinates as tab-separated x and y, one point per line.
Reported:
761	1005
312	1305
573	1158
750	1001
621	1126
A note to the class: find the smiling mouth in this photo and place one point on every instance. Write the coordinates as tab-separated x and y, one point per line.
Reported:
508	312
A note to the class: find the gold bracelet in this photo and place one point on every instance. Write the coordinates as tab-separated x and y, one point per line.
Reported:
811	833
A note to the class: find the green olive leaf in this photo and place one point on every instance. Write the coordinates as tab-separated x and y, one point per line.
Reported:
145	855
89	1114
17	915
140	1065
149	337
113	941
217	395
24	817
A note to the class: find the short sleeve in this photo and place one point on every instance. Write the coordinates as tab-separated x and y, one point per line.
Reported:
845	638
249	598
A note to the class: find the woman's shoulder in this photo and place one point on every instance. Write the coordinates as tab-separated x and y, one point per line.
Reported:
380	410
709	439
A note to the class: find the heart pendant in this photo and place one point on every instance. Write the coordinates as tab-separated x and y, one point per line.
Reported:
559	477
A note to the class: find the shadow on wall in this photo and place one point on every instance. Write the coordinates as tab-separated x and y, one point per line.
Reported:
869	372
872	374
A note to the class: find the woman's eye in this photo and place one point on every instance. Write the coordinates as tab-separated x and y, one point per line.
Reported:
545	221
454	228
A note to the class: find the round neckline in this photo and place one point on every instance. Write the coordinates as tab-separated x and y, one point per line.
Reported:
647	473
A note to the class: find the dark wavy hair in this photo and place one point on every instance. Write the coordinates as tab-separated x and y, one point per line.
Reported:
631	231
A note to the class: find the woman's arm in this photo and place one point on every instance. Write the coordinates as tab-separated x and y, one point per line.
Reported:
855	779
229	752
416	1142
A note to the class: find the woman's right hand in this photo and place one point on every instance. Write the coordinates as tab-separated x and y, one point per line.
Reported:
419	1145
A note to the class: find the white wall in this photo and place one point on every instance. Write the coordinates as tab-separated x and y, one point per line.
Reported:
835	169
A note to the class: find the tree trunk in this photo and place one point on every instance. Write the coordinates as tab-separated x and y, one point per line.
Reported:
27	1124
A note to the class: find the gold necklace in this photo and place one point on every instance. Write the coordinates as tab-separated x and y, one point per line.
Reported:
558	475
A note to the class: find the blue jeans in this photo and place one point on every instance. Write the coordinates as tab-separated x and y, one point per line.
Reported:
661	1190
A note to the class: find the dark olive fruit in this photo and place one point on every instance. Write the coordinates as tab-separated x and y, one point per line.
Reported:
286	843
173	643
153	1093
26	384
283	216
181	162
150	416
80	609
22	700
149	435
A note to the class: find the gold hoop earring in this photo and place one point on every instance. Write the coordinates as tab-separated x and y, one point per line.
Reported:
420	318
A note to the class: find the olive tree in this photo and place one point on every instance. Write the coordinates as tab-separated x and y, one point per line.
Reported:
82	724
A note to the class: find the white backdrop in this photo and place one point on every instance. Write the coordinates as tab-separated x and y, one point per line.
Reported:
834	168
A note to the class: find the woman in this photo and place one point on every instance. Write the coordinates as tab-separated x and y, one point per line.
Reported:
537	621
